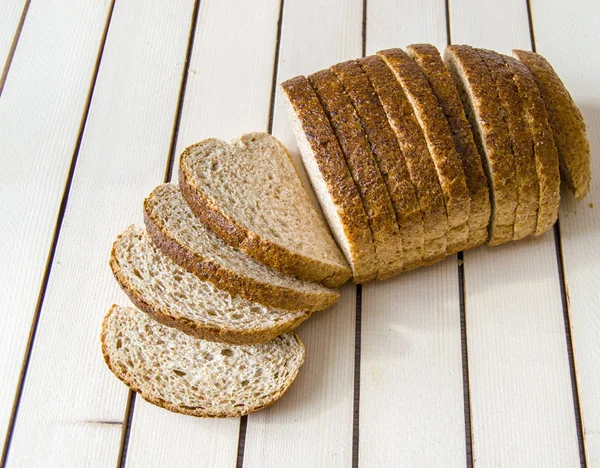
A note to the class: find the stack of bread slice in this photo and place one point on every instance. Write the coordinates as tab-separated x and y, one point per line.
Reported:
412	157
415	157
221	278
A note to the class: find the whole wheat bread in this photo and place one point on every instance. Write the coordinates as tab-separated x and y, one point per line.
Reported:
188	242
187	375
250	194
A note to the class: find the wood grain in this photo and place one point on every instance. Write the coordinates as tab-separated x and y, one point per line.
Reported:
567	34
520	386
72	407
312	425
43	100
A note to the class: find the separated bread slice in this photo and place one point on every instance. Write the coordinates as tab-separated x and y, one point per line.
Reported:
480	99
414	148
189	243
250	194
566	121
191	376
361	163
428	59
544	149
389	157
331	179
177	298
521	144
440	143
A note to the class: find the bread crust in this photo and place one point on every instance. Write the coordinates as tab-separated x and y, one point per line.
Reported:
251	243
334	170
389	157
430	62
198	412
412	143
521	144
439	141
500	166
566	121
545	152
361	163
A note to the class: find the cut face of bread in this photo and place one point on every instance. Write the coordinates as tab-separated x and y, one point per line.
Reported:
521	143
363	167
566	121
250	194
180	299
483	110
389	157
189	243
428	59
410	137
187	375
331	178
545	153
439	141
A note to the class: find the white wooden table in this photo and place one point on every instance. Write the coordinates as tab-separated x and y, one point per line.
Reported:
488	359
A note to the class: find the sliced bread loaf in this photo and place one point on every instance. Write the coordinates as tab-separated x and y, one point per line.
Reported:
177	298
439	141
363	167
428	59
521	143
250	194
483	109
410	137
544	149
566	121
187	375
331	178
389	157
182	236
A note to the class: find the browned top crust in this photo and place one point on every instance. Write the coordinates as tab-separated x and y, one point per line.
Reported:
521	143
334	171
410	137
388	155
545	153
428	58
566	121
363	167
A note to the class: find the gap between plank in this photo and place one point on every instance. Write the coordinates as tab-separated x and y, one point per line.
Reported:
569	341
126	429
244	419
53	245
13	46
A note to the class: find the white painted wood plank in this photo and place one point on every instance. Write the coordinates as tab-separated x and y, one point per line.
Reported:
72	406
567	34
312	425
412	405
42	103
228	93
521	401
10	17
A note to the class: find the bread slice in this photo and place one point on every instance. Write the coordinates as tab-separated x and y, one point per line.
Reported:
180	299
480	99
389	157
331	178
181	235
410	137
250	194
363	167
187	375
440	143
428	59
544	149
566	121
521	144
